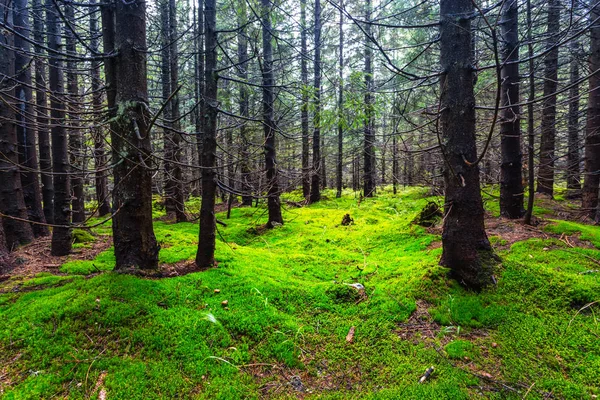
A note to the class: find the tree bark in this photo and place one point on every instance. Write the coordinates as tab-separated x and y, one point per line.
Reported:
61	233
205	257
133	234
25	122
315	188
5	261
511	181
591	181
530	127
573	159
545	179
244	106
12	203
466	249
306	178
340	105
369	132
268	82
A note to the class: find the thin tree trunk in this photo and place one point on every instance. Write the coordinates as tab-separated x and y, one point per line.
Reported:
369	135
101	176
315	188
268	82
133	234
12	203
545	179
25	122
573	159
61	234
244	106
466	249
511	180
591	181
306	179
340	105
205	257
530	127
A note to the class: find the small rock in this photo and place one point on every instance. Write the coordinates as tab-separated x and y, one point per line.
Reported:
224	303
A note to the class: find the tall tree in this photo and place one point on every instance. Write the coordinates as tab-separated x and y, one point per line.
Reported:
511	182
61	233
573	159
101	176
530	127
205	257
268	100
315	188
12	203
369	135
133	234
5	262
340	106
591	181
466	248
244	107
306	178
548	126
25	120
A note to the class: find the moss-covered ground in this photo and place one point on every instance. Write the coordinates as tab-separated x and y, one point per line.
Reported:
282	331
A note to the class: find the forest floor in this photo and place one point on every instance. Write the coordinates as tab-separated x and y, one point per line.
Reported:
278	318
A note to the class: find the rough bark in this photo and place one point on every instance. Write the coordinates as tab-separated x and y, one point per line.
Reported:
511	182
61	233
306	179
12	203
369	131
340	105
25	122
573	158
545	179
530	127
591	181
466	248
317	167
205	257
244	106
133	236
268	82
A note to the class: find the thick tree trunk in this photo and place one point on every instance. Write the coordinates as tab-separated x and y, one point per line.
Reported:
268	82
25	121
61	233
466	249
369	135
244	106
573	159
530	127
5	261
591	181
545	179
76	133
41	101
511	181
306	178
315	187
12	203
133	234
340	105
101	176
205	257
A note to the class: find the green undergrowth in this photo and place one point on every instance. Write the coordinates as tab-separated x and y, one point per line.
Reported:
289	307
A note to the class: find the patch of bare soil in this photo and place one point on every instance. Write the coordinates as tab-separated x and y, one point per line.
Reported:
420	326
35	257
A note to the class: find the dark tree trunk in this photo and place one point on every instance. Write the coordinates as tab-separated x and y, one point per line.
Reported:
61	233
268	82
41	101
545	179
25	121
133	234
315	188
530	127
591	181
244	106
205	257
511	181
340	105
369	136
573	159
466	249
12	203
101	176
394	164
306	179
76	134
5	261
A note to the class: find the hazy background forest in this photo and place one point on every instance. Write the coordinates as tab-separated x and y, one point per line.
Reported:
278	199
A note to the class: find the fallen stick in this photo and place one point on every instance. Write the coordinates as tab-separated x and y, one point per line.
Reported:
426	375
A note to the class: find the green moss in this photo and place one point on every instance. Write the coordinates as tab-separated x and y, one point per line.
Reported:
81	236
458	349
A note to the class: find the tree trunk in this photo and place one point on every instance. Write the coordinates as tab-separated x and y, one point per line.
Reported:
466	249
61	233
25	122
5	261
205	257
530	127
101	176
511	181
369	136
340	105
591	181
12	203
573	159
76	133
306	178
268	83
133	234
315	188
244	106
41	101
548	126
